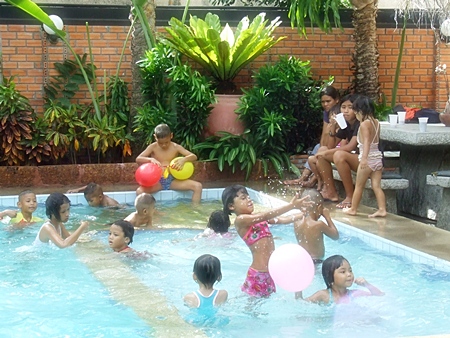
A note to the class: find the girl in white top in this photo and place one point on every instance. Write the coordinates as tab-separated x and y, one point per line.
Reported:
57	208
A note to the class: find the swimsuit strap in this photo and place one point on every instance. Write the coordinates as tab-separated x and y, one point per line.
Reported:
331	301
127	247
376	130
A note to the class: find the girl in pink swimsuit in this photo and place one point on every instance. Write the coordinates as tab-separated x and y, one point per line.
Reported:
370	157
255	232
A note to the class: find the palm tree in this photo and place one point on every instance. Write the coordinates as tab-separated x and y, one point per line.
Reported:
365	57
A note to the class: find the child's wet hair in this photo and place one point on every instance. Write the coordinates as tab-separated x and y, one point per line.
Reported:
329	266
219	222
144	201
228	195
25	192
364	105
93	188
162	130
330	91
207	269
314	196
127	228
53	204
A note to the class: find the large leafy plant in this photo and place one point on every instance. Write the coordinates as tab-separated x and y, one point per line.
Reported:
283	109
176	95
222	52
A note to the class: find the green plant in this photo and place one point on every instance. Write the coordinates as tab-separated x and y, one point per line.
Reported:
176	95
283	108
383	109
193	97
37	149
64	86
220	51
16	123
229	149
66	131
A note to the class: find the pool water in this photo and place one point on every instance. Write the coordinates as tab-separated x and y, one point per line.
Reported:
87	291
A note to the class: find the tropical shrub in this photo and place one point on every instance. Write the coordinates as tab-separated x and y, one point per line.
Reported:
230	150
176	95
222	52
63	87
283	108
16	123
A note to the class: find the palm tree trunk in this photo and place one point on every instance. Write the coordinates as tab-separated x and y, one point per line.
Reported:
365	57
138	47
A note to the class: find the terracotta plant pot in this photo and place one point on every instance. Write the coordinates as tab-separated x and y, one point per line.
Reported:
223	116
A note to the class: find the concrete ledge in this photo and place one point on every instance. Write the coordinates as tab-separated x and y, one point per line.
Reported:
387	183
112	173
443	211
441	181
390	185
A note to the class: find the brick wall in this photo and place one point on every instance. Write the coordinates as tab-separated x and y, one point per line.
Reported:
26	52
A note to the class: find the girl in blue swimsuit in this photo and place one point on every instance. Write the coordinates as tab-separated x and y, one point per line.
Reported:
338	276
206	273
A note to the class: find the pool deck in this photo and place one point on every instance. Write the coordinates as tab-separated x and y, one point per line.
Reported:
417	235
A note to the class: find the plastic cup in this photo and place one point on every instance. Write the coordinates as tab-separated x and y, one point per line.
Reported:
393	120
401	117
341	121
423	124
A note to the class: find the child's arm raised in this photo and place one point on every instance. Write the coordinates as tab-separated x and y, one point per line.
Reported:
374	291
70	239
329	228
287	219
9	213
295	203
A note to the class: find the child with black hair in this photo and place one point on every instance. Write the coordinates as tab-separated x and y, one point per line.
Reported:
27	204
370	157
218	224
120	236
57	208
310	230
254	230
206	273
93	193
338	276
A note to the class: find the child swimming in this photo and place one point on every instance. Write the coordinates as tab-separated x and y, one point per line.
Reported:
338	276
206	273
121	236
57	208
254	231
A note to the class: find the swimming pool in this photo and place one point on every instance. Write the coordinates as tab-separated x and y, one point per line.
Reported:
88	291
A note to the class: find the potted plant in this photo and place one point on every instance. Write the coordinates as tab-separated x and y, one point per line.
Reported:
222	52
